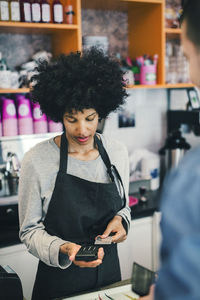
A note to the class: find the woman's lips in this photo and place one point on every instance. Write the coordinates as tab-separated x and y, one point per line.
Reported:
82	139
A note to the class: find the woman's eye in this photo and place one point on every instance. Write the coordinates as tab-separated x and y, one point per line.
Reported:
71	120
90	120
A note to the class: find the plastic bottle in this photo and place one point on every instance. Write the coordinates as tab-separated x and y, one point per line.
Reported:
25	121
3	65
54	126
36	11
57	11
9	117
69	13
15	11
45	11
4	10
40	124
5	74
25	9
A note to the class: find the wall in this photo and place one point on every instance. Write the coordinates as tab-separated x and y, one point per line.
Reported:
149	132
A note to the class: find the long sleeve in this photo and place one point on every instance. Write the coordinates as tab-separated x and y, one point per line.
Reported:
31	215
180	225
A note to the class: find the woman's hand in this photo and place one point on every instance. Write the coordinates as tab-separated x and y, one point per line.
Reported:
71	249
115	226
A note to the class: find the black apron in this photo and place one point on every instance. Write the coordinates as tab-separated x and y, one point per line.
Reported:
79	210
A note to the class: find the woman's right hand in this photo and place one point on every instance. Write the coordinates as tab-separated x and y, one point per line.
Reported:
71	249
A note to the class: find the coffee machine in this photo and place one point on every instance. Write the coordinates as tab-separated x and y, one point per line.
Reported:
176	145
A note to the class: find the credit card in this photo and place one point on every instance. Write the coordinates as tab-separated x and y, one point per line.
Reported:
105	241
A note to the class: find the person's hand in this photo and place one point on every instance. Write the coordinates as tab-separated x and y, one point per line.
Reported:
115	226
71	249
150	296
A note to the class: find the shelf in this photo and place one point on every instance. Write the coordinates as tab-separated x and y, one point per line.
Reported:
28	136
145	1
139	86
162	86
121	5
23	27
15	91
173	33
178	85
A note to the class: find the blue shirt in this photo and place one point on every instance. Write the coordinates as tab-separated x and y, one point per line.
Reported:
179	276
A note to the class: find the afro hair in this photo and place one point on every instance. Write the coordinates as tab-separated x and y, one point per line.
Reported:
78	81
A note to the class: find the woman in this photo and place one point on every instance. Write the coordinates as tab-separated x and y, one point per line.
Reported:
72	186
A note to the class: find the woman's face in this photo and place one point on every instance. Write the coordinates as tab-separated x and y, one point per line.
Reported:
81	126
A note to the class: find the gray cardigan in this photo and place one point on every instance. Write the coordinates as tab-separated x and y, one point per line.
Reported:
37	179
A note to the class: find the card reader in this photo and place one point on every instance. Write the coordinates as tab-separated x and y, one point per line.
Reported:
87	253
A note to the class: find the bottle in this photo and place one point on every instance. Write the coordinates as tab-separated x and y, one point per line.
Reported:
25	121
5	74
36	11
39	120
14	11
45	11
3	65
25	9
9	117
4	10
57	11
69	13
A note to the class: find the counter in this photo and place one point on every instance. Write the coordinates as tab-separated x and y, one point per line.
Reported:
147	208
120	291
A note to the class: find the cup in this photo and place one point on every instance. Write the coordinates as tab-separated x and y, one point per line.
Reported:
39	120
9	117
148	74
55	126
25	121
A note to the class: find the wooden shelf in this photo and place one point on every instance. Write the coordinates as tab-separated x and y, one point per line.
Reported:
23	27
144	1
162	86
139	86
178	85
121	5
173	33
173	30
14	91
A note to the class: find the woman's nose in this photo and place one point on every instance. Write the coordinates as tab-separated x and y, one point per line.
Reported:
82	129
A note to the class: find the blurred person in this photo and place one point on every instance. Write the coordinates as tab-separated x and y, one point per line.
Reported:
179	275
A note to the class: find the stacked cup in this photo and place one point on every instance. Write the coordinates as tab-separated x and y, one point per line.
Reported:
40	124
25	121
54	127
9	117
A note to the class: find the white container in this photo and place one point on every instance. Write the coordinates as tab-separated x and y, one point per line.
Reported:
5	79
150	169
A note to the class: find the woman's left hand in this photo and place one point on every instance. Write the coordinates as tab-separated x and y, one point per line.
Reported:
115	226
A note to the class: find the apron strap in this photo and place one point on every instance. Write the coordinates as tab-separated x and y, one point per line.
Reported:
111	169
104	156
63	153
